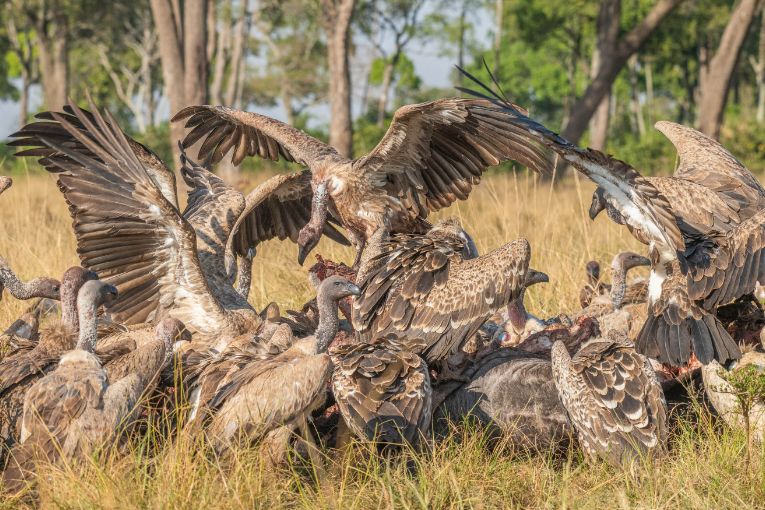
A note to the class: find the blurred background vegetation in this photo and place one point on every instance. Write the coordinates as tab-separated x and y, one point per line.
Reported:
143	59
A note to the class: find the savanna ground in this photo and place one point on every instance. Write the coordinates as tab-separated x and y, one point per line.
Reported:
705	468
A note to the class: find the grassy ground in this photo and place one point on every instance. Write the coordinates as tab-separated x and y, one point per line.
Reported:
705	468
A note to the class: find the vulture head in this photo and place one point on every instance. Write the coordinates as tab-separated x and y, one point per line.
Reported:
336	288
626	260
451	228
172	331
593	271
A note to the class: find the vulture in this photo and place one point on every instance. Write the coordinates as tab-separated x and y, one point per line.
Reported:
704	226
382	391
5	183
129	228
593	287
620	292
432	155
613	399
77	407
509	391
422	292
258	389
49	288
19	371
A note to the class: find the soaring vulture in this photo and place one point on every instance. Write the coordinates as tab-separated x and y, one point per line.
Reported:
704	226
432	155
612	397
422	293
129	229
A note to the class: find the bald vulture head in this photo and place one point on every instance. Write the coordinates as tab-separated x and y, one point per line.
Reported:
600	201
171	331
336	288
626	260
593	271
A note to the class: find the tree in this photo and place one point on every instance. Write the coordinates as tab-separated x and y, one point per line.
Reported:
607	30
133	81
228	53
758	65
336	18
716	72
23	63
182	30
611	63
399	19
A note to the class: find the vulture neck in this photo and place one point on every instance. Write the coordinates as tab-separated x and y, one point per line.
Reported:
329	322
69	306
618	284
373	248
16	287
88	309
516	313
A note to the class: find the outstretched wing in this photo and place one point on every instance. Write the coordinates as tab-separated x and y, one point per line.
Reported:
249	134
51	129
705	161
643	206
441	148
127	231
426	293
279	207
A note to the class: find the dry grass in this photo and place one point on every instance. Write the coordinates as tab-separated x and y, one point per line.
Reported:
704	469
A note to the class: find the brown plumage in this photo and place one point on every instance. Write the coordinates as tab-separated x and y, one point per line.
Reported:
128	226
18	372
704	228
383	392
613	399
620	293
77	408
422	291
432	155
24	333
252	389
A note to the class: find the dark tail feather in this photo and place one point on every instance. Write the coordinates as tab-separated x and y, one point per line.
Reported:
668	340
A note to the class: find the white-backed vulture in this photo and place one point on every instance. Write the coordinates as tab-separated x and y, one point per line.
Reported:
432	155
705	229
123	201
36	288
613	399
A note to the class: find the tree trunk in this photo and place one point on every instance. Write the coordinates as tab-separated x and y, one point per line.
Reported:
715	81
585	106
52	30
236	76
607	24
637	109
382	102
336	16
499	10
221	57
183	52
759	72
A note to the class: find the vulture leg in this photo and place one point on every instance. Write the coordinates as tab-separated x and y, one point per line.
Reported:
313	450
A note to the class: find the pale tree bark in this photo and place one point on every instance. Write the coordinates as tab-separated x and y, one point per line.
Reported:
607	29
183	53
584	108
21	45
51	25
499	11
716	74
235	83
336	17
220	57
758	65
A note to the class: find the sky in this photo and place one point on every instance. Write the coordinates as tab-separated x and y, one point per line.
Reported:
434	70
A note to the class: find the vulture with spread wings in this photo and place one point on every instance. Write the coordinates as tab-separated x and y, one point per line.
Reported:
129	228
432	155
704	226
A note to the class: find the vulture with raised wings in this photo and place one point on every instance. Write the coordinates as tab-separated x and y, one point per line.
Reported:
422	292
613	399
128	226
704	226
432	155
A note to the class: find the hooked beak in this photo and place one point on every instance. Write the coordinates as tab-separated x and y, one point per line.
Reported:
598	203
303	253
354	290
533	277
470	251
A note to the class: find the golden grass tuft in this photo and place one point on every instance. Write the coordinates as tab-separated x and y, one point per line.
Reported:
703	470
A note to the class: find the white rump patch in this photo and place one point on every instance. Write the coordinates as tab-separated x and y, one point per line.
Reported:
655	281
